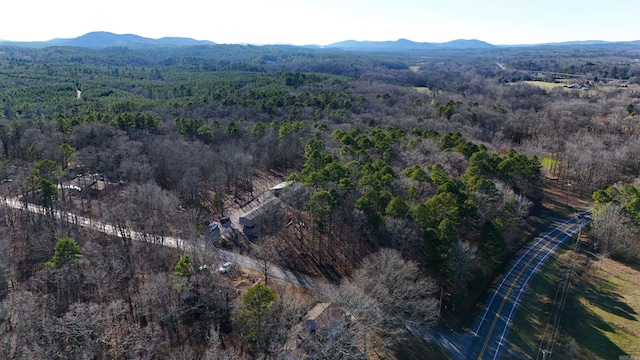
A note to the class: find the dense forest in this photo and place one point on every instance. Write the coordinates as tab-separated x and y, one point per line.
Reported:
413	175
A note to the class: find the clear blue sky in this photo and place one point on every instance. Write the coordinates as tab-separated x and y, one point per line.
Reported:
326	21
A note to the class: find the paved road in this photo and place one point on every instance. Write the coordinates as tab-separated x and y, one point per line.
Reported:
489	335
486	341
173	242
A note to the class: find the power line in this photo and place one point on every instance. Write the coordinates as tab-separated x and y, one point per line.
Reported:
553	324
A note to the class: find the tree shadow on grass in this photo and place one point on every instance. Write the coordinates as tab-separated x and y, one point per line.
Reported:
610	302
588	328
535	304
578	320
412	347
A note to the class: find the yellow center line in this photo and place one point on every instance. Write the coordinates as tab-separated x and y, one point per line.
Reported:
506	296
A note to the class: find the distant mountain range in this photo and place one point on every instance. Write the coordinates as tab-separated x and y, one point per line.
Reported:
407	45
102	39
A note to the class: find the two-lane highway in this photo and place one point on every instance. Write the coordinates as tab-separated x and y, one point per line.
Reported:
488	337
492	327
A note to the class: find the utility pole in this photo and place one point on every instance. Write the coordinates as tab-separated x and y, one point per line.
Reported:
559	301
546	354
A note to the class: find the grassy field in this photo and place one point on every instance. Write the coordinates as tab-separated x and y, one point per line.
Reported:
601	313
424	90
614	297
545	85
548	162
414	68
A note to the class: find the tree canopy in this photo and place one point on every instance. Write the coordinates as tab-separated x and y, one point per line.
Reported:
66	252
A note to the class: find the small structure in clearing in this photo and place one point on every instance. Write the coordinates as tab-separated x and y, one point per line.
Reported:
92	184
277	189
325	318
255	215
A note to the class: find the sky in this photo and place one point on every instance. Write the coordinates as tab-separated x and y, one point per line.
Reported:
322	22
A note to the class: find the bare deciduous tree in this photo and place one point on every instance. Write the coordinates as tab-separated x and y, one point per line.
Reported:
463	257
28	327
363	321
386	293
402	233
613	234
402	292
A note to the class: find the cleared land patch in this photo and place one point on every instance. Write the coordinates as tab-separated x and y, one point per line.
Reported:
620	285
601	317
545	85
548	162
423	90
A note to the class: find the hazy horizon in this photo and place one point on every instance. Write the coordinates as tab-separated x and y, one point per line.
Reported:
499	22
321	45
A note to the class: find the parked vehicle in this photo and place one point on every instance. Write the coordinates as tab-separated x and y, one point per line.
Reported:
225	268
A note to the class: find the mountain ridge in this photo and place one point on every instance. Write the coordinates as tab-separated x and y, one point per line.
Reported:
104	39
404	44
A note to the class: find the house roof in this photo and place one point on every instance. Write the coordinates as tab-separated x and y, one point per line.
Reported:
259	210
243	285
282	185
316	311
98	185
323	315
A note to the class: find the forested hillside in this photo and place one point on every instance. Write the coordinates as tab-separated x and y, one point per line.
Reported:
424	163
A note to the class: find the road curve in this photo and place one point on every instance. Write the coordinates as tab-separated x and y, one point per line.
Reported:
169	241
488	337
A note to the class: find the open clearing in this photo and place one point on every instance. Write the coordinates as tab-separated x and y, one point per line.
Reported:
423	90
614	297
545	85
600	317
548	163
